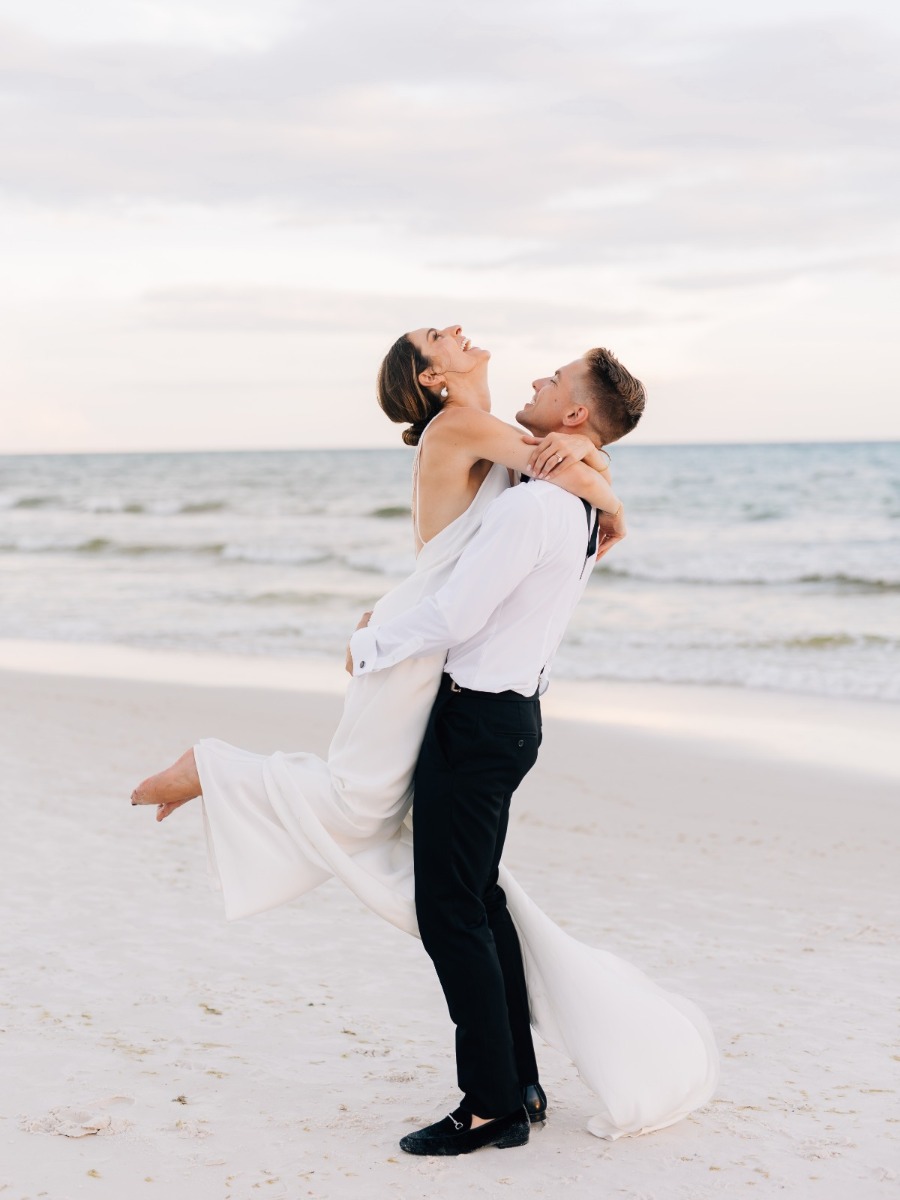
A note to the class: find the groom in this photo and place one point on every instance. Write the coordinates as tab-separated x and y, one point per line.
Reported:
501	616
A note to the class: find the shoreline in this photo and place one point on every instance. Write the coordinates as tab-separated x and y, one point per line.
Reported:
856	735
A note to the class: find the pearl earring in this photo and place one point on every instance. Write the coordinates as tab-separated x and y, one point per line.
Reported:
444	393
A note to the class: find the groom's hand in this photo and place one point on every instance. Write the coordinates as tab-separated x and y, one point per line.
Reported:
348	660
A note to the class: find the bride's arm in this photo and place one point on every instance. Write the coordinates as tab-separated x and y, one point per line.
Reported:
478	435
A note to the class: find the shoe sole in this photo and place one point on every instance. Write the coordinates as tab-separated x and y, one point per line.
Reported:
514	1137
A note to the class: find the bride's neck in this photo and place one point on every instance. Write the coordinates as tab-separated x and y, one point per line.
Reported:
464	391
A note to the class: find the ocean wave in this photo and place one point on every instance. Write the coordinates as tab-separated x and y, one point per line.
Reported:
101	505
747	673
839	580
230	551
750	513
390	565
103	545
201	506
293	596
391	511
298	556
838	664
34	502
822	641
856	582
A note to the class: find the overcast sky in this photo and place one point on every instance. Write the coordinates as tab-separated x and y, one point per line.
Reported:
215	215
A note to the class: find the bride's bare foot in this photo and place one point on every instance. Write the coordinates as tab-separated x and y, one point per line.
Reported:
170	788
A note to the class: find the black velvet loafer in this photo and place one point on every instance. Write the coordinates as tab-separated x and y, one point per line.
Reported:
535	1101
453	1135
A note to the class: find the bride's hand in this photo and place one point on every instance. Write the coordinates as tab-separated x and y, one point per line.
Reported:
611	528
557	451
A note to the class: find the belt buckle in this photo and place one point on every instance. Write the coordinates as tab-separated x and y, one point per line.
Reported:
454	686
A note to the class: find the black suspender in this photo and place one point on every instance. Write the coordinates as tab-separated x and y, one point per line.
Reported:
592	532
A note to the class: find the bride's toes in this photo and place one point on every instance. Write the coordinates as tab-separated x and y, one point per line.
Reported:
141	794
174	786
165	810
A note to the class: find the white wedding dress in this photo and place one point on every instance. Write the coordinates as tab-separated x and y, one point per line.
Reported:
278	825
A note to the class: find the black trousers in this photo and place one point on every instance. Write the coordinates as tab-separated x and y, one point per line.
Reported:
477	749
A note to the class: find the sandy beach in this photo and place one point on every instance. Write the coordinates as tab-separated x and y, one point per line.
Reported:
739	847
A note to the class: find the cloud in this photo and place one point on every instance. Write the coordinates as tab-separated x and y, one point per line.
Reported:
245	309
577	136
765	276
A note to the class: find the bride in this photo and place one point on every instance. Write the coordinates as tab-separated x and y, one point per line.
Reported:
278	825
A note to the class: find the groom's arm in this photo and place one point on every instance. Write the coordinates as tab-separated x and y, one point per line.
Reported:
501	554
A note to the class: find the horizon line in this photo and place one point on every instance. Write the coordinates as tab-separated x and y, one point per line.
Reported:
688	445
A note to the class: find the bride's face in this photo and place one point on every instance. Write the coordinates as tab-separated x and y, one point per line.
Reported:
448	352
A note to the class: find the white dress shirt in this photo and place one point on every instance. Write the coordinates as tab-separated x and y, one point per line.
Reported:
502	613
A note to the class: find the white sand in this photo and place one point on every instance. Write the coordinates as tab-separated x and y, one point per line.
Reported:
687	830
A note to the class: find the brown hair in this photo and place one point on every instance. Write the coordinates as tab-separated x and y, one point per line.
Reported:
618	397
400	394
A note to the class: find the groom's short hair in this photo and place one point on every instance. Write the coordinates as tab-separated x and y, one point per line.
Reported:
618	398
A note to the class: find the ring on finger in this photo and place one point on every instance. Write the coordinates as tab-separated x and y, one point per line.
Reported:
559	459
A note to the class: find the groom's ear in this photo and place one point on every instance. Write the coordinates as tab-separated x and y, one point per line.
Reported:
576	416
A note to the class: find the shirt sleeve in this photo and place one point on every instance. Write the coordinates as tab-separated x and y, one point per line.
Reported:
501	554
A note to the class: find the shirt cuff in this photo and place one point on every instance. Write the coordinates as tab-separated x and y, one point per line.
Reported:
363	650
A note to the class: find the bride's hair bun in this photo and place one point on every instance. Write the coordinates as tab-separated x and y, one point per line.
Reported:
411	436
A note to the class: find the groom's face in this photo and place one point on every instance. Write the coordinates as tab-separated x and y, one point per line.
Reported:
555	398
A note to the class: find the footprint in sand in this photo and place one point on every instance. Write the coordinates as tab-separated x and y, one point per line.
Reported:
81	1122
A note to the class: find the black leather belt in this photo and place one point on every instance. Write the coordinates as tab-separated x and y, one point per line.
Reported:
450	685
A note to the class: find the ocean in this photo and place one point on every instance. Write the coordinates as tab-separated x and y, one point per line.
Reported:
762	566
